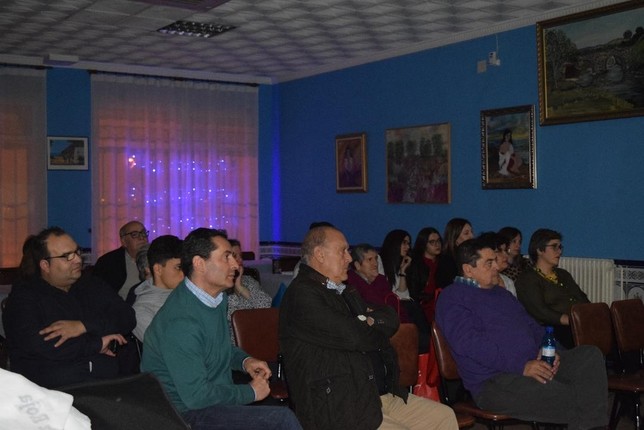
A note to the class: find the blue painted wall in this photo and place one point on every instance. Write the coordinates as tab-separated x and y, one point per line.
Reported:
589	174
69	114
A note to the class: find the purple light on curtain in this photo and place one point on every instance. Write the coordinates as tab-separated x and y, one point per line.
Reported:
184	154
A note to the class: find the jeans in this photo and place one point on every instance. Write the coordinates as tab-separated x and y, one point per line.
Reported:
236	417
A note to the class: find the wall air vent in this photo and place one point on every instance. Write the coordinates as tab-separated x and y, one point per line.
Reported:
195	29
199	5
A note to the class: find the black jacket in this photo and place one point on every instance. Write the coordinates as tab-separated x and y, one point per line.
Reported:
34	305
328	355
111	268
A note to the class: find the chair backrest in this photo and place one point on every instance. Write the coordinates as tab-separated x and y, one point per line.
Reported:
405	342
446	364
591	325
628	321
256	332
133	402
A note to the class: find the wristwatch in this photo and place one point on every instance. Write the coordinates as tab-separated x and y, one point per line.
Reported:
362	318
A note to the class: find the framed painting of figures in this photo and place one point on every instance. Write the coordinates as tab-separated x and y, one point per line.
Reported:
418	164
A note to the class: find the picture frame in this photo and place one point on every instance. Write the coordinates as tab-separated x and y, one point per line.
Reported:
508	158
591	65
351	163
67	153
418	164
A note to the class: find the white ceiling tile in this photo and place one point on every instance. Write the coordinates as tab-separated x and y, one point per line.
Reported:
273	38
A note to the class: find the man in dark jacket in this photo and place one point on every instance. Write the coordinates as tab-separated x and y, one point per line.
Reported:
59	324
118	267
339	364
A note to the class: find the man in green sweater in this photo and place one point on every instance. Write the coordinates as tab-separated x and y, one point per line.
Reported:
187	346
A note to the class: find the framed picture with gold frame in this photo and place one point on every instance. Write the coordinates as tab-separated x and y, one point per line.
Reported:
351	163
591	64
508	148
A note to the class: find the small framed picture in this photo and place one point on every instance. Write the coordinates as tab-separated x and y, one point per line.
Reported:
67	153
351	163
508	148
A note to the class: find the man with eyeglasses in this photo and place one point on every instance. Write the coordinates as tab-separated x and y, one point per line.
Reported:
61	327
118	267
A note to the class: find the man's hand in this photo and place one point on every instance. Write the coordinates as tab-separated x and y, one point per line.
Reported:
564	319
261	388
257	369
540	370
555	365
106	343
63	329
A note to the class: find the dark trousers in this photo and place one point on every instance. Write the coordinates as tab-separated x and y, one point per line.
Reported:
226	417
577	396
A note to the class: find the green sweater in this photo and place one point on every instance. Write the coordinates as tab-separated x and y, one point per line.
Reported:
187	347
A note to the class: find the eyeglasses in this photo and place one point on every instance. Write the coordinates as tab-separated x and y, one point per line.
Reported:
435	242
556	246
143	234
69	256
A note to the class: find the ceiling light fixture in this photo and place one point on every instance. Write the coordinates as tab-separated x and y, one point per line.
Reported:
195	29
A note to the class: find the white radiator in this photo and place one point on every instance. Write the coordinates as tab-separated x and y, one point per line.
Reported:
595	276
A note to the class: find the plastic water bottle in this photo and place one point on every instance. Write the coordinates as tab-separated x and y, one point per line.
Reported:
548	347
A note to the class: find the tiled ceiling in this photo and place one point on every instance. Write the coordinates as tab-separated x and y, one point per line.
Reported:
275	40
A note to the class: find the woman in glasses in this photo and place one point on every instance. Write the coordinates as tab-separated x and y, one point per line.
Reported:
546	291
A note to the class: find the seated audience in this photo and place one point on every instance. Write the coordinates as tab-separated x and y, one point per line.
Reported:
59	324
498	244
517	263
496	346
340	366
164	259
457	231
246	292
546	291
118	267
425	262
187	346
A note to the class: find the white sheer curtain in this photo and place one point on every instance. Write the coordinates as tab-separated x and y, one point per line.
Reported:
23	159
175	155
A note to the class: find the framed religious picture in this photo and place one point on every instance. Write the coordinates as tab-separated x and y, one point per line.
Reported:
351	163
67	153
418	164
591	64
508	148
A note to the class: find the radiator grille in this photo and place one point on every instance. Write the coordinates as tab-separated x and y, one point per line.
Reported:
595	276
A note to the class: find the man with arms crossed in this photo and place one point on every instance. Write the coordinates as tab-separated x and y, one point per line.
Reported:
59	324
187	346
340	367
496	346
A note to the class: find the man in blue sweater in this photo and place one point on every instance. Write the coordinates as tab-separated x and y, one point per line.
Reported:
187	346
496	346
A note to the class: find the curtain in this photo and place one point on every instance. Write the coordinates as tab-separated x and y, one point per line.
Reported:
175	155
23	155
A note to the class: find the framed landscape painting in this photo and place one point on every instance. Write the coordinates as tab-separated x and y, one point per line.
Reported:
418	164
508	148
591	65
